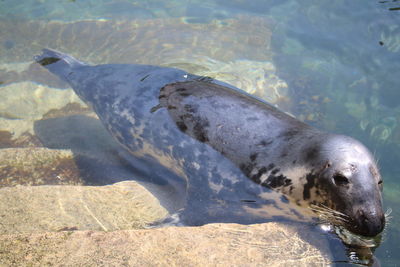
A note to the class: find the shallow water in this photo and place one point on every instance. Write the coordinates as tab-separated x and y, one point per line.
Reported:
334	65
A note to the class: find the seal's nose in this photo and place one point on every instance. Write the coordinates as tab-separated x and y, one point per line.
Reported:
369	223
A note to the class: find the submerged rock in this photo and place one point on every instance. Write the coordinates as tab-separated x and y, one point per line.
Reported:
219	48
29	209
38	166
139	41
255	77
25	102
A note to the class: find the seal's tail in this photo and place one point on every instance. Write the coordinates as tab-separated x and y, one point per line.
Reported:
58	63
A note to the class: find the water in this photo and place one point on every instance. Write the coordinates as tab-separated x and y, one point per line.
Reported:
335	65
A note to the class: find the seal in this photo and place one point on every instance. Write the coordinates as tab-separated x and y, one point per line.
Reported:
238	155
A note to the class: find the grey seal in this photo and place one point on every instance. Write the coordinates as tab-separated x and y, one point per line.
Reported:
237	154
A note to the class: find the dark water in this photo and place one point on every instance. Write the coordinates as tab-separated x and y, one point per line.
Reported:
340	59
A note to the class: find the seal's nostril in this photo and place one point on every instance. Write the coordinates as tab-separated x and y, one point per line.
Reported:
363	218
340	179
368	223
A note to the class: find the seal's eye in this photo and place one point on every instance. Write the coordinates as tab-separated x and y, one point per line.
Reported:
340	179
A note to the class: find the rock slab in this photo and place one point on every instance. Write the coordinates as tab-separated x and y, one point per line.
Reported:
211	245
30	209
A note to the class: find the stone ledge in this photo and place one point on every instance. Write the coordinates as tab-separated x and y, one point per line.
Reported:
270	244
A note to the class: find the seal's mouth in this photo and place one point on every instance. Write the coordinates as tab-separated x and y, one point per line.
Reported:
363	228
367	224
350	238
353	239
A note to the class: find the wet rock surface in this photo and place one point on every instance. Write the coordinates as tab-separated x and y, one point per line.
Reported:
211	245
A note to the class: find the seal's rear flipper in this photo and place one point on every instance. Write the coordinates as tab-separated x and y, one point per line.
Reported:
58	63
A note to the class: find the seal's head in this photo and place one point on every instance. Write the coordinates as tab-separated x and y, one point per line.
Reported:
348	183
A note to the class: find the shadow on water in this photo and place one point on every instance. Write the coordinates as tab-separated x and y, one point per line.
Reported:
101	161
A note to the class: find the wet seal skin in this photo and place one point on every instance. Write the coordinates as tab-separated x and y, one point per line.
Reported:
242	159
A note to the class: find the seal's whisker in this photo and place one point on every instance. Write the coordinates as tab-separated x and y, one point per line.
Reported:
388	212
337	213
388	222
322	208
388	218
335	219
376	160
332	221
330	215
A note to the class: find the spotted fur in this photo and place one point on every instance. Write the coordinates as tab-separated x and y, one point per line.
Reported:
242	159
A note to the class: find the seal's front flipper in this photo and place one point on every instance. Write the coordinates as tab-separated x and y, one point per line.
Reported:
193	214
171	220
